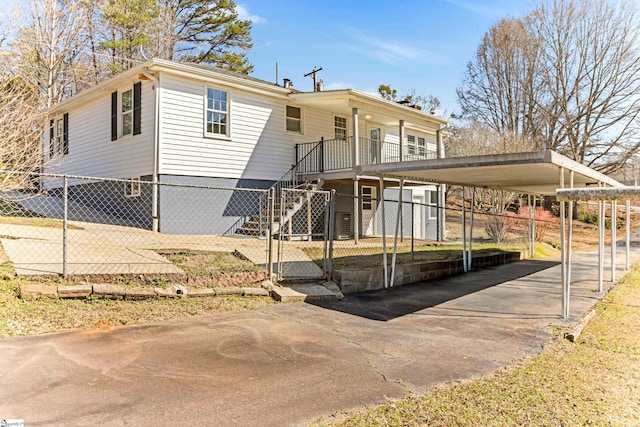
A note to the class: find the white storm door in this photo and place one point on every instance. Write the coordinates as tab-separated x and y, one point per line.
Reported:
418	217
368	209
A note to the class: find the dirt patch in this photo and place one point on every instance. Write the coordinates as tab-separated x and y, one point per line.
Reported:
205	269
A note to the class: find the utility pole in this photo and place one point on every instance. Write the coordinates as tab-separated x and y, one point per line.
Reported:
313	73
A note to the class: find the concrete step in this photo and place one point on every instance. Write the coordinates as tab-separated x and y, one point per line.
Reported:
307	292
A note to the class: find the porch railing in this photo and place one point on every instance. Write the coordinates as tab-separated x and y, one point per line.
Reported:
337	154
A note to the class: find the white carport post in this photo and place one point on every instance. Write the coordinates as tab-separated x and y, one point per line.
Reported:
470	256
533	228
614	209
464	236
563	258
627	264
569	250
384	234
530	228
600	243
395	237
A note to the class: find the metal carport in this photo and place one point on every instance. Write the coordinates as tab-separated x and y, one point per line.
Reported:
536	173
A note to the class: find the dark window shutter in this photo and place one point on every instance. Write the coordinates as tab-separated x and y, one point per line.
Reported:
65	134
51	138
114	116
137	108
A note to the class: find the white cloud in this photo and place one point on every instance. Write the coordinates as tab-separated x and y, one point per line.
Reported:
243	13
389	51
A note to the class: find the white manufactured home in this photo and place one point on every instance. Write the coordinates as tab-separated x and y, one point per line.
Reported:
170	122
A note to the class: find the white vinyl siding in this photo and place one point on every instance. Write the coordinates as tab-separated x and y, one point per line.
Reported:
255	147
92	153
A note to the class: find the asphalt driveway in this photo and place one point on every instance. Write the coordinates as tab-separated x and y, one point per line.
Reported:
290	364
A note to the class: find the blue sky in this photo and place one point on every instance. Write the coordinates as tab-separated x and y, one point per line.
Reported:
407	44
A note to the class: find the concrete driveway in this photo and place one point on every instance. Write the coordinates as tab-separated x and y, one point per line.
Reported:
290	364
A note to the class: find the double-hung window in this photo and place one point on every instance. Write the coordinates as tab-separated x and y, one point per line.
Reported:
126	112
217	113
294	119
59	136
422	147
411	144
340	127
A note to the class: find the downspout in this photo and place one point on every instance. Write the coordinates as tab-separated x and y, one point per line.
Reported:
156	149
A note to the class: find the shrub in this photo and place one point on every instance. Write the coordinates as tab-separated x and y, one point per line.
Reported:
543	218
498	226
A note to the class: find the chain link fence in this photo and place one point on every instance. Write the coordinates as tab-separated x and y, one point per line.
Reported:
82	226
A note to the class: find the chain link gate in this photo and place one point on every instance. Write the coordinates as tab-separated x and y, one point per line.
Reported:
302	221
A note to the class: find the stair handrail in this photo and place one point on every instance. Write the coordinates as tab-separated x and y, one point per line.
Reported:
292	174
290	177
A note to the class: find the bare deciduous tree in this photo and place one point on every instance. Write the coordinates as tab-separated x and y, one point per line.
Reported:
47	47
566	76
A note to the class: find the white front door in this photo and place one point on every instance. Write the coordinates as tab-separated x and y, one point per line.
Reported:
418	217
368	209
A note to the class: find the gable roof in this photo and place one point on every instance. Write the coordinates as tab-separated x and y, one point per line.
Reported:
150	69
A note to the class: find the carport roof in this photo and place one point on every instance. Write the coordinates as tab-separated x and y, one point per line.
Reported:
531	173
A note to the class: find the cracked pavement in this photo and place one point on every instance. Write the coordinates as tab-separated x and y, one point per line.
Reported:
291	364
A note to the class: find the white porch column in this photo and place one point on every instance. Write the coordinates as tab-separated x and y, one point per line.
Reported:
401	142
439	148
355	150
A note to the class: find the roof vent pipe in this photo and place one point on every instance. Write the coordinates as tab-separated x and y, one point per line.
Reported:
286	83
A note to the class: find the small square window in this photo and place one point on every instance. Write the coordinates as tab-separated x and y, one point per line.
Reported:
132	189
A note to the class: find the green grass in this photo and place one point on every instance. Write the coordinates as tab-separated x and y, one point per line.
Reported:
595	381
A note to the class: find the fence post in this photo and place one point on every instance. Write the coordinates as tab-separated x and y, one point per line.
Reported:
65	195
332	220
413	231
270	207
